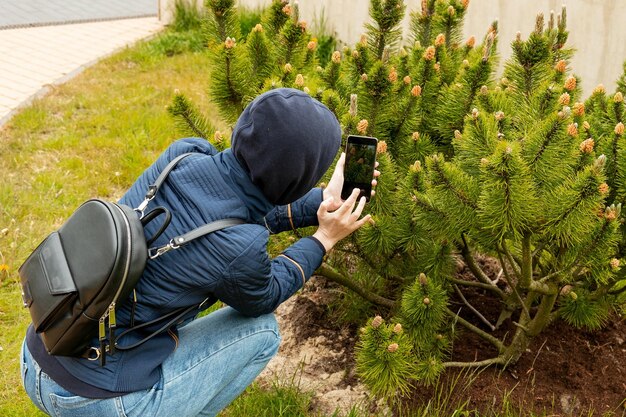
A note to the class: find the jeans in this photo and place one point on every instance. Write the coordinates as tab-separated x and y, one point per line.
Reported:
218	356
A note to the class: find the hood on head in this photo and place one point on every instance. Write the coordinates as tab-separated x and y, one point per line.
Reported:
286	140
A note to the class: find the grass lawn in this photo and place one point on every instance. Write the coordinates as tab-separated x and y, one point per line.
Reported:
90	137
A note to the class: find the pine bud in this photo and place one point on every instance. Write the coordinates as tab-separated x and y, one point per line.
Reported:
484	161
618	97
440	40
319	68
407	80
565	113
484	90
377	321
499	115
429	54
586	146
258	28
416	91
218	137
564	99
579	109
363	40
397	329
306	90
615	264
518	36
415	136
572	129
619	128
416	167
302	25
364	77
561	66
573	295
336	57
437	66
361	127
603	188
381	147
451	10
566	290
504	81
439	336
426	301
229	43
299	80
599	163
586	125
392	347
610	214
353	105
312	45
599	89
288	68
470	42
287	10
474	113
355	54
393	75
458	135
466	63
570	83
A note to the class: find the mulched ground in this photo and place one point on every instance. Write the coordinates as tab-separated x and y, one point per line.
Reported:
566	371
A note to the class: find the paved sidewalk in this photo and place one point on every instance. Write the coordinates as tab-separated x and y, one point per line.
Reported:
25	13
32	58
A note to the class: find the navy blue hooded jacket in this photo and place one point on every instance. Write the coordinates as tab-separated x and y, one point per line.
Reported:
231	265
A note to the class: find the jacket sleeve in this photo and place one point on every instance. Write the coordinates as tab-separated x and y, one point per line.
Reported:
255	284
300	213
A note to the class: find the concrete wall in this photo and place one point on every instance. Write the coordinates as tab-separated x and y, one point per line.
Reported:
597	27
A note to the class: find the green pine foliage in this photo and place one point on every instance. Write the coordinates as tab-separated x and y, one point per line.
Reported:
518	170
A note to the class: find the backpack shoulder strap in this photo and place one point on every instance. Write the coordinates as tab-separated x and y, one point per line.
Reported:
178	241
154	187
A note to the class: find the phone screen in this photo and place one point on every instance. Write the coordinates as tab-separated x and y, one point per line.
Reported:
359	166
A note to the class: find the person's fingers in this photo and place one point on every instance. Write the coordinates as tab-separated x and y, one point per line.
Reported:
325	207
376	173
366	219
340	163
376	164
359	208
374	183
348	204
373	193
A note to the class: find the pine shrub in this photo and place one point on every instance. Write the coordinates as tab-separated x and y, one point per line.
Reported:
517	170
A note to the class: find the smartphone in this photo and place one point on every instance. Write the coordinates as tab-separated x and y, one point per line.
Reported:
359	166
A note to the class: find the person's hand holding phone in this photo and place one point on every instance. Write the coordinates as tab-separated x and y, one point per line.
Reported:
335	185
337	222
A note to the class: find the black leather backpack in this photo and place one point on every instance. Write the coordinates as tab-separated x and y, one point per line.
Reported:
74	279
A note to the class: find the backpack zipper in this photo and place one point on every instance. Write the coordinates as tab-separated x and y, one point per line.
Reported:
110	313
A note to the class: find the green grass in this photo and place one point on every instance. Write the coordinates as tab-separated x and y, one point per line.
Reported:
89	137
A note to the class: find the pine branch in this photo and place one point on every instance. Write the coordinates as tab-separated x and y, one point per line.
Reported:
473	309
511	284
472	265
332	274
489	287
489	338
514	266
498	360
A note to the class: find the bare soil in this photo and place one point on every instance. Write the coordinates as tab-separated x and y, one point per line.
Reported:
566	371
